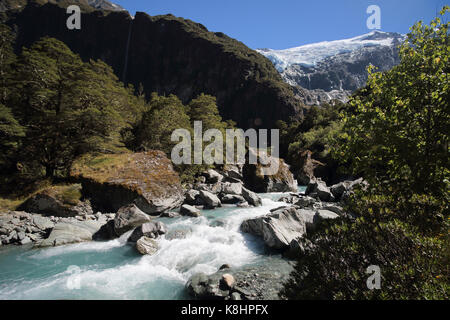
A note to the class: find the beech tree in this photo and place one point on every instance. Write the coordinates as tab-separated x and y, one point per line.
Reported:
68	107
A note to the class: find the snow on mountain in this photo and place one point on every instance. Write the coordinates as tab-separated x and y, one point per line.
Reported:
309	55
105	5
324	71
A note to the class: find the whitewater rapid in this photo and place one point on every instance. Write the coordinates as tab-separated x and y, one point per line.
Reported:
114	270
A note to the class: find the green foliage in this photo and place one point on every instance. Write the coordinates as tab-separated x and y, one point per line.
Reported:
318	132
7	57
412	266
397	129
204	109
165	114
67	107
396	134
10	134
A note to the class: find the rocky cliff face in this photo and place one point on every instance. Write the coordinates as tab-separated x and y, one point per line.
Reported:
325	71
169	55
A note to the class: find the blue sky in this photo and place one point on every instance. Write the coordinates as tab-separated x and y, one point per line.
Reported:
280	24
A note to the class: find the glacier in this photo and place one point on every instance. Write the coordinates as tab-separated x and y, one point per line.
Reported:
309	55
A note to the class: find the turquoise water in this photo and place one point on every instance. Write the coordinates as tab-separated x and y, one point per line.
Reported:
114	270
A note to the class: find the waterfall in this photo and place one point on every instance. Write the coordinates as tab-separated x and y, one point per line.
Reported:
125	67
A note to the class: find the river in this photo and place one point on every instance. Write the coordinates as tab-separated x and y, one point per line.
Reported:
114	269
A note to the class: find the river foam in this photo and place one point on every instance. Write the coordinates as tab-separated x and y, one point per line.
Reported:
114	270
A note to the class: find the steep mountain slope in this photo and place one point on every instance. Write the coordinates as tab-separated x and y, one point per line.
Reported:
333	70
168	55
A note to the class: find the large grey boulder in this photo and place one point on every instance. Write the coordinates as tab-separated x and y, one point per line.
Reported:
340	188
43	223
192	197
251	197
307	202
278	228
150	230
128	218
212	176
190	211
232	188
233	172
318	189
211	200
202	286
231	199
71	231
147	246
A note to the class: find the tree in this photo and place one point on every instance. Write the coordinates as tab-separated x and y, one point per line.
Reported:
204	109
11	133
68	107
7	57
398	128
165	115
395	133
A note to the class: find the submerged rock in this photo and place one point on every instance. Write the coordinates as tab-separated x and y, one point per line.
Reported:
151	230
147	246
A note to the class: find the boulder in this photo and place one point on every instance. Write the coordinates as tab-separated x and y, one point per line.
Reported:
282	181
43	223
58	201
291	198
278	228
147	246
170	214
215	188
128	218
202	286
251	197
150	230
228	281
192	197
71	231
233	172
212	176
307	202
298	247
343	189
146	179
309	168
231	199
326	215
232	188
340	188
335	208
318	188
211	201
190	211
